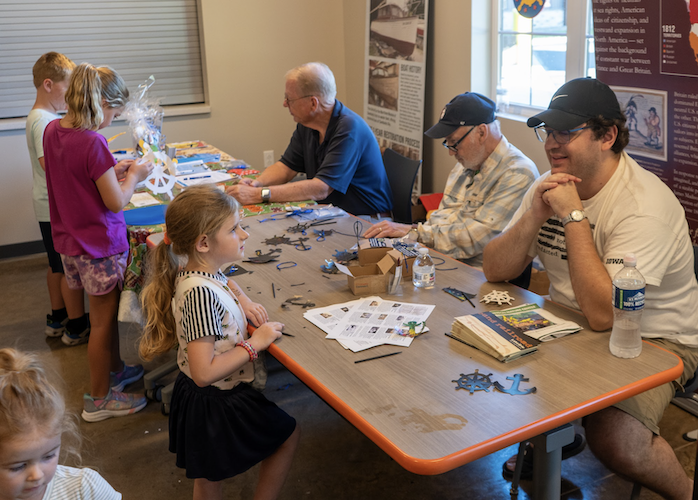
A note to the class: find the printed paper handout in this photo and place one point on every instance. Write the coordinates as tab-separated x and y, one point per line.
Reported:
368	322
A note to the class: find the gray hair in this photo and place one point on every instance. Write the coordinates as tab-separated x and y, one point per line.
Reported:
316	79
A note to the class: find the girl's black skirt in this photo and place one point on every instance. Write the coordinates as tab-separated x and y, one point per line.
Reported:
218	434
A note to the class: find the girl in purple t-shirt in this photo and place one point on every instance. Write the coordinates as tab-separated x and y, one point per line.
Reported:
85	203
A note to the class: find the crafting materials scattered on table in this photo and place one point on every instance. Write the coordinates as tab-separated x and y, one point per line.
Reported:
285	265
480	382
297	300
234	270
377	242
344	256
322	233
407	249
273	291
289	335
497	296
263	258
409	329
461	295
302	245
377	357
474	382
514	389
277	240
358	231
303	227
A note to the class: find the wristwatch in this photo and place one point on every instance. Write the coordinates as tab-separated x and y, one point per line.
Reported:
574	216
266	195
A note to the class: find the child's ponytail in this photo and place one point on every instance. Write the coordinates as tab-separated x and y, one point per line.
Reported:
84	97
89	89
159	331
195	211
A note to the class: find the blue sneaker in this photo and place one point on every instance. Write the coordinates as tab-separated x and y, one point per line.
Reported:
76	338
55	328
114	404
130	374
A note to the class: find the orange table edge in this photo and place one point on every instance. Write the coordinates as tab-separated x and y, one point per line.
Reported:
450	462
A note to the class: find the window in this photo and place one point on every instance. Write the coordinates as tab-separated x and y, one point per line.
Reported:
137	39
536	56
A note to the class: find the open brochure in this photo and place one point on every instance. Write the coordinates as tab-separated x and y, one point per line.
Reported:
510	333
490	334
369	322
536	322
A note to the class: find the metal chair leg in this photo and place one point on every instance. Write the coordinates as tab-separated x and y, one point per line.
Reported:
514	490
635	494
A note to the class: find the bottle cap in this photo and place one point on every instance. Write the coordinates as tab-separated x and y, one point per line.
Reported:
630	260
423	250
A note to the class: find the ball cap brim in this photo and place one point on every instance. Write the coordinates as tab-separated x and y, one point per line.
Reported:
576	102
464	109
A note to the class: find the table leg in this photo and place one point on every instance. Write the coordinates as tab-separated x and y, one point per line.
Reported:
547	465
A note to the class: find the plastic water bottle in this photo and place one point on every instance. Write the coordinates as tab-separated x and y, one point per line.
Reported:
423	270
628	302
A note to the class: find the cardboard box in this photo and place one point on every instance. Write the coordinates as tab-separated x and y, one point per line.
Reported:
371	255
368	255
369	279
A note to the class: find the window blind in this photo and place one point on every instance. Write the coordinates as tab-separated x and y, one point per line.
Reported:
136	38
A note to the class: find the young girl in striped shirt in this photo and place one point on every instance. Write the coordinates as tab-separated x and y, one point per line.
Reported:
33	422
219	425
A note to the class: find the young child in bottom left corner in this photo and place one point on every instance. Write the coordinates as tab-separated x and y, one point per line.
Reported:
219	425
33	422
86	203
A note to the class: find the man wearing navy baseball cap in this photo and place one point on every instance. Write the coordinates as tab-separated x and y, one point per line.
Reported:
594	206
483	189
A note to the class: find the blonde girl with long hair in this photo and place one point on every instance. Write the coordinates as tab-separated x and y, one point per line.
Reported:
86	201
219	425
33	425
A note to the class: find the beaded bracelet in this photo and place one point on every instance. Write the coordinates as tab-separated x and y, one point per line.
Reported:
250	350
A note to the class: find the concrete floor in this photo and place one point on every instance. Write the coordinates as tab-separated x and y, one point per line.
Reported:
334	460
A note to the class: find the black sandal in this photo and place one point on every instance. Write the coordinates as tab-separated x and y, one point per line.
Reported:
568	451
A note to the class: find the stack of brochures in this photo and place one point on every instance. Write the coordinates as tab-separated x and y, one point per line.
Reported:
511	333
369	322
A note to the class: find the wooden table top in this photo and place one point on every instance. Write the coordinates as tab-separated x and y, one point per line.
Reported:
408	404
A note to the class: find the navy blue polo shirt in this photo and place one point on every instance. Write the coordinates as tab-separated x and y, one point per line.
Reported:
348	160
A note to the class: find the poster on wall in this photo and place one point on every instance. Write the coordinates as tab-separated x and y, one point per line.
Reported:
395	73
647	51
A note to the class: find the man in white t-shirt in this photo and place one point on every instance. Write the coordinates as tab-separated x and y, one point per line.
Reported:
595	205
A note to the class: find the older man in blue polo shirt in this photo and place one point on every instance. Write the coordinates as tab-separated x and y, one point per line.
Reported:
332	145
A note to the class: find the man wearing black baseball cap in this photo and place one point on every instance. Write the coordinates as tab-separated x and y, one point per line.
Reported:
593	207
483	189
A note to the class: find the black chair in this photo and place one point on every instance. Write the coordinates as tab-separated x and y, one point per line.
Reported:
402	173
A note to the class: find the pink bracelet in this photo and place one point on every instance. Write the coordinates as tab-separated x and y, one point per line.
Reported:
250	350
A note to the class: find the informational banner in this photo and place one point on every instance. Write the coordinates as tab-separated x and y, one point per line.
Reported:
647	51
395	73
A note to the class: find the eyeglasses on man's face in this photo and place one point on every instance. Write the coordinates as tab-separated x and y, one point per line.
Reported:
454	147
559	136
289	101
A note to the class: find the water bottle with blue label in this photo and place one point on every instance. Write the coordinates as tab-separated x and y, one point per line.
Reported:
628	302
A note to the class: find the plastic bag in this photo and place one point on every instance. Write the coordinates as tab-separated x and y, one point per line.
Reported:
145	116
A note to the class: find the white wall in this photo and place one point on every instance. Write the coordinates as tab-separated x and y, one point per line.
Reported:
249	47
